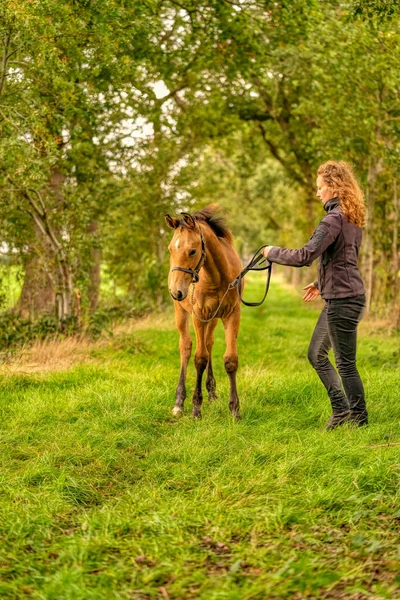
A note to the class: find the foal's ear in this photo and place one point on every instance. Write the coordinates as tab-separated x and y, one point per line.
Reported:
172	222
189	221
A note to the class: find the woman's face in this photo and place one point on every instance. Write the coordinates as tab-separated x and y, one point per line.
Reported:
324	192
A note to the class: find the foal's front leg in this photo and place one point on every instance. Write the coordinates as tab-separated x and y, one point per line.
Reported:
185	349
231	325
210	381
200	362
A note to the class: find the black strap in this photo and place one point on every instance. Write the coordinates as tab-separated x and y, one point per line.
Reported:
257	259
195	272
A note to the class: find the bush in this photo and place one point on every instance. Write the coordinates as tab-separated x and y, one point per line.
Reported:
107	316
17	331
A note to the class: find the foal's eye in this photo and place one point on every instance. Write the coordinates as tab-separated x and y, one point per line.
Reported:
192	252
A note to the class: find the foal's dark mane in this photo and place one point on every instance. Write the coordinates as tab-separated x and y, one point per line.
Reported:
215	221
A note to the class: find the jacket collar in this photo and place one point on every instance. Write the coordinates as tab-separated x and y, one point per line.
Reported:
330	204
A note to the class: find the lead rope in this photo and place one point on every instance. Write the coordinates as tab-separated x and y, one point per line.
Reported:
257	258
230	287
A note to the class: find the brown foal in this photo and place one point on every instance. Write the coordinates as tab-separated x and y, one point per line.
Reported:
203	263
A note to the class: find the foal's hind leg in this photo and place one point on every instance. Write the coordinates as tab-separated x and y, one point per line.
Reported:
200	362
231	325
185	349
210	381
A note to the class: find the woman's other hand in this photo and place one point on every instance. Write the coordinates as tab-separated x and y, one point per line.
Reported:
311	294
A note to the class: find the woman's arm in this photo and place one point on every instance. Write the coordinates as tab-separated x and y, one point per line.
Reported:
326	233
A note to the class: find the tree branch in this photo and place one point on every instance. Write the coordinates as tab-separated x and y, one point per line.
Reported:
253	115
42	204
173	94
263	93
4	62
275	153
190	11
180	102
39	216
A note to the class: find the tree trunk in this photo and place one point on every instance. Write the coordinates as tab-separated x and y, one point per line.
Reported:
94	267
37	294
64	297
311	199
367	263
51	266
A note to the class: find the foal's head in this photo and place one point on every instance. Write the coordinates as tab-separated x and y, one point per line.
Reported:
186	253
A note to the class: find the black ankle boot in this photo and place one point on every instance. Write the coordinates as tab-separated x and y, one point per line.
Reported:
338	419
359	419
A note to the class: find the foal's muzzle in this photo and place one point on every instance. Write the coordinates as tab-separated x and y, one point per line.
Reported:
178	296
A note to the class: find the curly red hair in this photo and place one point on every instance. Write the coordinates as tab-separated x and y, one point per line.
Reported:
339	176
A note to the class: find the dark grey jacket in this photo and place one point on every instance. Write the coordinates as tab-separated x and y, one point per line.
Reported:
337	243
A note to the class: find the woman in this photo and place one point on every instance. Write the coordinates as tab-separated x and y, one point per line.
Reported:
336	241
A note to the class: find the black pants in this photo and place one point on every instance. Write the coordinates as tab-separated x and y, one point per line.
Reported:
337	328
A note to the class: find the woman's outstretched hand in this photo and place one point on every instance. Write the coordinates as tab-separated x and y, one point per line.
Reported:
311	293
265	251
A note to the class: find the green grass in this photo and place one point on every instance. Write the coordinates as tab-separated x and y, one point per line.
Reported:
104	495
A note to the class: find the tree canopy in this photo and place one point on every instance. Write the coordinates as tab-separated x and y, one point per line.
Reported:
114	113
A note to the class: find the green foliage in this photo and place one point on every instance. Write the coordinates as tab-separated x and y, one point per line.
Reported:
10	283
376	9
116	114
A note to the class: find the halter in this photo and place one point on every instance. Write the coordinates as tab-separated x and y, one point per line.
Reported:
195	272
258	259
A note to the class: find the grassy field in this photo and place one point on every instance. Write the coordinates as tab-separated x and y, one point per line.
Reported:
104	495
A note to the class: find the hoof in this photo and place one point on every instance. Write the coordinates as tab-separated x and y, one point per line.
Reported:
177	411
236	417
212	397
196	416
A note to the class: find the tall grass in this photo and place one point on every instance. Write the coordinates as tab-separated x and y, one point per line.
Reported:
104	495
